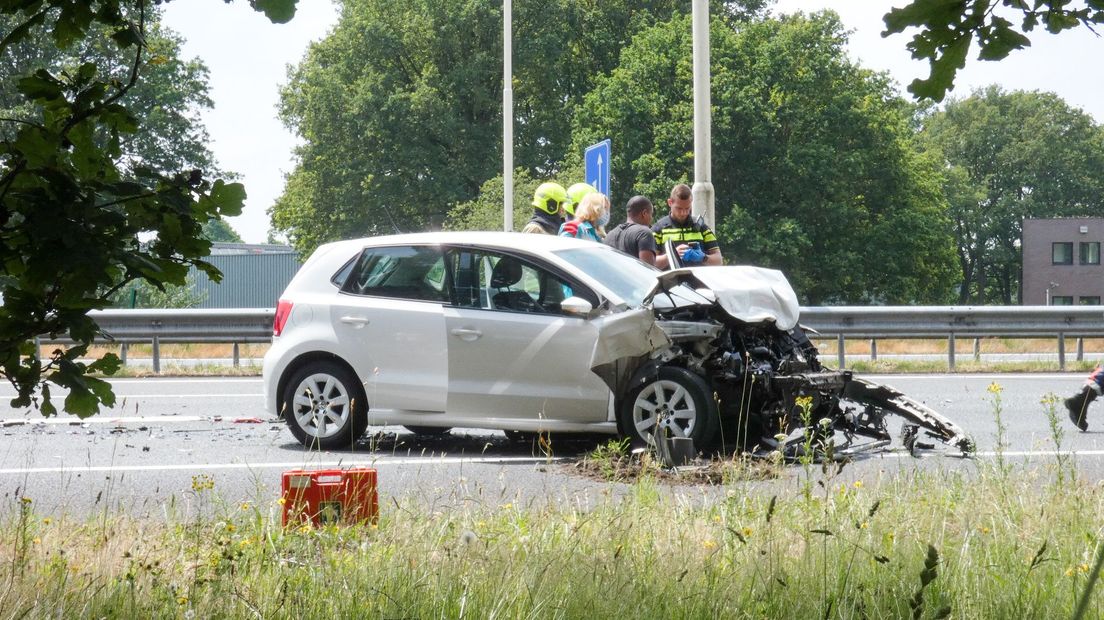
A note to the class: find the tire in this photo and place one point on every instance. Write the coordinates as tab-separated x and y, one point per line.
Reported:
428	431
670	391
326	406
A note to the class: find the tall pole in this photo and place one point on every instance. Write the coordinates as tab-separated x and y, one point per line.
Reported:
703	130
507	117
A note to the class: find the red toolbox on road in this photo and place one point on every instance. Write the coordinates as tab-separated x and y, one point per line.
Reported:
325	496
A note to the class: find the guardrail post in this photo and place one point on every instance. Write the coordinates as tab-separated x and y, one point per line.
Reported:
123	352
237	357
977	349
873	349
840	353
156	355
1080	349
1061	351
951	352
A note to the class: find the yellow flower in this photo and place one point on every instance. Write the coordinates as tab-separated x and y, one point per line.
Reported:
281	501
1083	568
47	521
1069	572
864	525
507	506
182	600
246	506
305	528
709	545
716	518
37	540
747	532
994	388
857	484
984	530
245	542
25	500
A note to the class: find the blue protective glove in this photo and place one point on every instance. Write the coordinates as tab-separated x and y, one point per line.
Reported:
693	255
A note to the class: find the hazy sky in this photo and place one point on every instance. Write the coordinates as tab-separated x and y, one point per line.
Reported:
248	57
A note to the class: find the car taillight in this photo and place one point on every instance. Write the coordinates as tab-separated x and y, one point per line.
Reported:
283	311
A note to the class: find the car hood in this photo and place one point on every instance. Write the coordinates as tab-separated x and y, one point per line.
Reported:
749	294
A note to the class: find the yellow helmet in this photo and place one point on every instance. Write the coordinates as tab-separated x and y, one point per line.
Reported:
575	195
549	197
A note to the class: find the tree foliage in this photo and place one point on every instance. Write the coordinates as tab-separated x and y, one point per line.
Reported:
73	204
1011	156
949	28
812	160
400	108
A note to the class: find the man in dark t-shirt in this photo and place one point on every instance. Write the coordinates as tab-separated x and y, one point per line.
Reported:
635	236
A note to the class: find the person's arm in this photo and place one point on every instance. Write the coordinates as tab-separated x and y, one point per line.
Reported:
662	262
714	257
646	256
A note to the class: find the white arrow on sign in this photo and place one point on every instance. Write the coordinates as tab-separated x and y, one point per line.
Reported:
599	170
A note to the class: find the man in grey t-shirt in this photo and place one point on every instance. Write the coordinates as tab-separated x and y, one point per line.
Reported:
635	237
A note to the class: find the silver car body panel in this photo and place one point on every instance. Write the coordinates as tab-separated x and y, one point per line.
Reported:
750	294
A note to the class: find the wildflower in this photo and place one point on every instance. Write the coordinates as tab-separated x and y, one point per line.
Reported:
181	600
747	532
716	518
994	388
1082	568
37	540
189	614
507	506
47	521
1049	398
202	482
25	500
230	527
303	529
281	501
1069	572
246	506
857	484
864	525
709	545
984	530
245	542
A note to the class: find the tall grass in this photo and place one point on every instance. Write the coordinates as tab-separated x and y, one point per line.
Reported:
981	544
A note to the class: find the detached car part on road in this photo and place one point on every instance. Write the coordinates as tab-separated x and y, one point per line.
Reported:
534	333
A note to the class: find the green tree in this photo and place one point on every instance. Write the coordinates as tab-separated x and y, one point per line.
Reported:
812	161
219	230
1011	156
73	205
949	28
400	113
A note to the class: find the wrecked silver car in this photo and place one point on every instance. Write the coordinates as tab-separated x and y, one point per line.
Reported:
534	333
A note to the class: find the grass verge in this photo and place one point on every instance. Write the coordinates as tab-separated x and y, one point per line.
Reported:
985	544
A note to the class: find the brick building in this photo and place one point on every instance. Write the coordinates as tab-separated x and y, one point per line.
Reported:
1061	261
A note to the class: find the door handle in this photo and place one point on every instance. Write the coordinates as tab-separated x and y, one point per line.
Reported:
467	333
357	321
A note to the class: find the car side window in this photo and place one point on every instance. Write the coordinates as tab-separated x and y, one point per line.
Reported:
493	281
404	272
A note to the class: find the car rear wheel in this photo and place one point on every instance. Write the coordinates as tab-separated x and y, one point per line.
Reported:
674	397
325	406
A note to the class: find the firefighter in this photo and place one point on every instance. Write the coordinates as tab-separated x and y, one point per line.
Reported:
694	241
548	203
575	195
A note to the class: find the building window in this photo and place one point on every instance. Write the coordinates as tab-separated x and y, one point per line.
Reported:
1086	300
1062	253
1090	252
1061	300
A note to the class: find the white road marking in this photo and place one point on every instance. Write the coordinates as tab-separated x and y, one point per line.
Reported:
156	419
493	460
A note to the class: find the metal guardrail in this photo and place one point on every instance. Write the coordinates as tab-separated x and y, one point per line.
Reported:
843	322
954	322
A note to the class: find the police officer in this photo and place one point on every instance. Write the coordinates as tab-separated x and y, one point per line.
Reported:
694	241
547	203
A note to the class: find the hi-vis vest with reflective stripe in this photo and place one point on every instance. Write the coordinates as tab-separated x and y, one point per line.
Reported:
666	229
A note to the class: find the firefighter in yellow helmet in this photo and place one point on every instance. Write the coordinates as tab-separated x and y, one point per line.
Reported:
548	203
575	195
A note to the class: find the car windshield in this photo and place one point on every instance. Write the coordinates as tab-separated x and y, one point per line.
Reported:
626	277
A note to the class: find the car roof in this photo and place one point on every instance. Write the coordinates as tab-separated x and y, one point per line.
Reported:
508	240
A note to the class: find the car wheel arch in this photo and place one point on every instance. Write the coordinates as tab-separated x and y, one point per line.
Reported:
301	361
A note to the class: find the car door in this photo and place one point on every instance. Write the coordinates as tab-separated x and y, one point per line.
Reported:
512	353
390	325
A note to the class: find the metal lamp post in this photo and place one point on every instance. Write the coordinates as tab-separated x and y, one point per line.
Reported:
703	158
507	116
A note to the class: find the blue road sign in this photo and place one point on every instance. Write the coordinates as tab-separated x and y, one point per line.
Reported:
597	158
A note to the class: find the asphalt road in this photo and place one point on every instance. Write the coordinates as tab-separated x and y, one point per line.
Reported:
143	456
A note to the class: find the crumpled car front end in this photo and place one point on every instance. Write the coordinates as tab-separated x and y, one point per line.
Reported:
732	334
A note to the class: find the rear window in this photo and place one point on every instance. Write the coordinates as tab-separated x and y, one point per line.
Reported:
404	272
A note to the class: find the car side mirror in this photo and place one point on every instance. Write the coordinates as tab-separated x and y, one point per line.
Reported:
576	306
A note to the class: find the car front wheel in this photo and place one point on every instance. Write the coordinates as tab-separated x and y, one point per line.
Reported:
674	398
325	406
